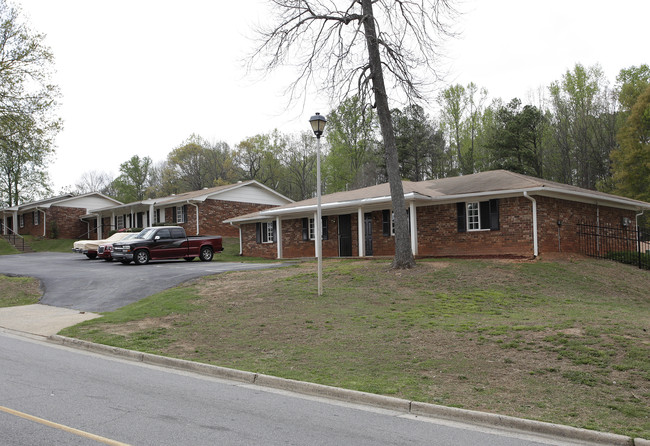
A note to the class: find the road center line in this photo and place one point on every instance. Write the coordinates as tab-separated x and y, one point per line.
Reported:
62	427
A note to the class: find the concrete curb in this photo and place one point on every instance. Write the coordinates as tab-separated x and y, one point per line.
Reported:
353	396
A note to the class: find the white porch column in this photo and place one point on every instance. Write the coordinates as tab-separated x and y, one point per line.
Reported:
278	233
152	215
362	235
316	244
414	228
15	222
100	227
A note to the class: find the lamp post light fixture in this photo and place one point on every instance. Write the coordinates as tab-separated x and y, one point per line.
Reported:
318	122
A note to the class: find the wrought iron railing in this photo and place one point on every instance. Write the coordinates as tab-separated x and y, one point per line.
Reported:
12	237
620	243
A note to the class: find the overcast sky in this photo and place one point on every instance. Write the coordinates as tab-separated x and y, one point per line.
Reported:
140	76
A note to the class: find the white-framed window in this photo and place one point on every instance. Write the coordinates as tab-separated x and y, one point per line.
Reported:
21	220
265	232
473	217
37	218
180	214
309	228
269	233
312	229
478	215
119	222
388	222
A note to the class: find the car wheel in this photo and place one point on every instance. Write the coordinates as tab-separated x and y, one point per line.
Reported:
141	257
206	254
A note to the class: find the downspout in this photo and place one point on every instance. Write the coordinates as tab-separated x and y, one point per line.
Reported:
535	242
361	233
278	233
638	236
44	222
197	215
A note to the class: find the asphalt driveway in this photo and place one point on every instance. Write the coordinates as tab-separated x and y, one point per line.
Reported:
72	281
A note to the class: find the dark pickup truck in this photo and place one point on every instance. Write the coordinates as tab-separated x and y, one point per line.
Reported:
166	242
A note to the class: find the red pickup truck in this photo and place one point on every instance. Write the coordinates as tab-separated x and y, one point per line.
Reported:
166	242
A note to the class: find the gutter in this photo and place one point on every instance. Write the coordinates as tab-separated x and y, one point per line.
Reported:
438	199
535	241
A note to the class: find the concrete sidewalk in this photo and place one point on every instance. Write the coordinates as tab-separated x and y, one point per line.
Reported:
42	320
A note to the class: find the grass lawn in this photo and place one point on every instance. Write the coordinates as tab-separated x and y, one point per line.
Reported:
560	341
39	244
16	291
6	248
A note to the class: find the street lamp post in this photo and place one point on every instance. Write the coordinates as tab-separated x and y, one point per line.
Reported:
318	125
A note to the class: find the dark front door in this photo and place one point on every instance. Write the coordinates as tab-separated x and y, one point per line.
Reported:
367	229
345	236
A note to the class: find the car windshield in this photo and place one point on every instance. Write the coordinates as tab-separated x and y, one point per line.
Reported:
147	234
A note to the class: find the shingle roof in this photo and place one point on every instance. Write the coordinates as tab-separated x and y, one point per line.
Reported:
494	183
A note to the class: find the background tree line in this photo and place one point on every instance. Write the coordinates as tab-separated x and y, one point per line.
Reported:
579	131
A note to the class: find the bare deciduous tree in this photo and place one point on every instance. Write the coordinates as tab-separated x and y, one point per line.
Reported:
93	181
355	47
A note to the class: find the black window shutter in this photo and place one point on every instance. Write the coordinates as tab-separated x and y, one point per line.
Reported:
385	222
484	207
460	217
258	232
274	229
494	214
174	214
324	226
305	229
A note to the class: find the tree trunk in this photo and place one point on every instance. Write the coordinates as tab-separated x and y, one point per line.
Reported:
403	253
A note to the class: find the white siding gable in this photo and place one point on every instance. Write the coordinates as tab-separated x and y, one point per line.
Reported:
251	194
89	202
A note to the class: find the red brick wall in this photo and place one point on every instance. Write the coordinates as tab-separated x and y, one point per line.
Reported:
251	248
212	213
28	224
550	211
438	231
67	221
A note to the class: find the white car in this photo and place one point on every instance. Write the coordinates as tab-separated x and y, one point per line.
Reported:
89	247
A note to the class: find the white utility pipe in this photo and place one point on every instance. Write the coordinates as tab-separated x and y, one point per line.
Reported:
535	245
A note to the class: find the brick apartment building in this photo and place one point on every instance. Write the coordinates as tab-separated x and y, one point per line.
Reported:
495	213
56	217
199	212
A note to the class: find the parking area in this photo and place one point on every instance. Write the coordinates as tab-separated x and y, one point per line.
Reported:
72	281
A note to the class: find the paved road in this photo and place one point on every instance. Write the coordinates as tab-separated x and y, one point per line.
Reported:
146	405
73	281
